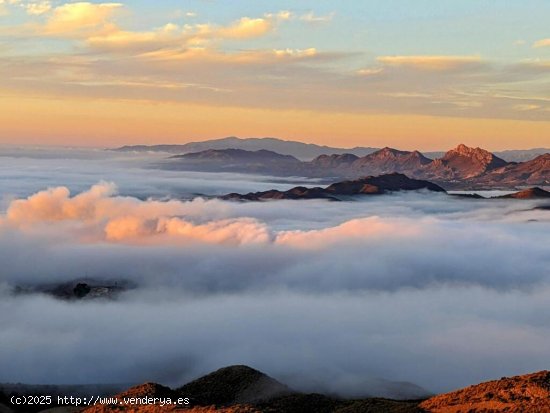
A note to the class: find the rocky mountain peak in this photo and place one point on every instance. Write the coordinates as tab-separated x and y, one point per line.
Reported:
475	153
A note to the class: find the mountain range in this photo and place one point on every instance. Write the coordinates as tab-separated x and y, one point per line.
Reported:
242	389
461	167
300	150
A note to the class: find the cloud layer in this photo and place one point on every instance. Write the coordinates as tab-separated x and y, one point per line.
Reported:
425	288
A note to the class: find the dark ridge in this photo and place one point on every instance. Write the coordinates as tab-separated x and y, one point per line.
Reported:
233	385
470	196
531	193
381	184
371	185
236	155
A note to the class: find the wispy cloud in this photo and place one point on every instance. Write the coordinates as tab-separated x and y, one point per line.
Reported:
542	43
311	17
426	62
38	7
175	37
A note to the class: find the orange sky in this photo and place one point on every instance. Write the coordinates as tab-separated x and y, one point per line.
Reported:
104	123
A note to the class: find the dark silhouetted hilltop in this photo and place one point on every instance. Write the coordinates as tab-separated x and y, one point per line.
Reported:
371	185
233	385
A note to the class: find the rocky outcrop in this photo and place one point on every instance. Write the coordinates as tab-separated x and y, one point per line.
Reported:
461	163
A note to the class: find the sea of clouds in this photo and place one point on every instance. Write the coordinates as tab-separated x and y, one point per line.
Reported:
419	287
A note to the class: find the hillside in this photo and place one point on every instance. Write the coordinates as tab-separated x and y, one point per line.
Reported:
241	389
529	393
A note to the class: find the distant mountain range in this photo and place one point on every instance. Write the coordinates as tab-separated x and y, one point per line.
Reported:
461	167
241	389
300	150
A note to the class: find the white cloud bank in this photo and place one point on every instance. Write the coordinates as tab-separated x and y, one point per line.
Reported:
435	290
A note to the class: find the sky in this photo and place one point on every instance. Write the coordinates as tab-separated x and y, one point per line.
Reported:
347	73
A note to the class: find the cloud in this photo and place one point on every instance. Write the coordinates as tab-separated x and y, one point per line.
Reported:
173	39
399	280
169	35
435	63
259	57
313	18
38	8
98	216
81	19
372	71
533	66
526	107
246	28
542	43
348	232
295	52
4	9
224	232
55	204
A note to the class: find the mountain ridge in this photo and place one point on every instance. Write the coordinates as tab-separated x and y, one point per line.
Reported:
301	150
460	166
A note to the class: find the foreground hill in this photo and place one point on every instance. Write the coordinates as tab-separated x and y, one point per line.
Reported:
241	389
234	385
371	185
520	394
